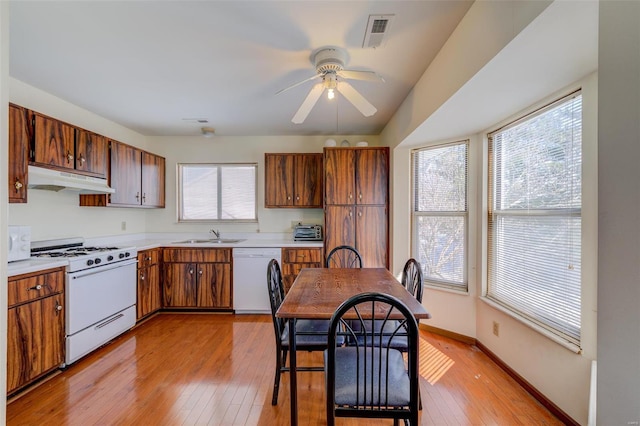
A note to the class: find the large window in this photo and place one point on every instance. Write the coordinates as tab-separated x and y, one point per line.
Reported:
534	251
440	214
217	192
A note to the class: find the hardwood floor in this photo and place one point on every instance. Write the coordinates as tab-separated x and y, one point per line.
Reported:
192	369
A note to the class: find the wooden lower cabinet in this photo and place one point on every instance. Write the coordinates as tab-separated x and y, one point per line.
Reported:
149	295
35	327
296	259
199	279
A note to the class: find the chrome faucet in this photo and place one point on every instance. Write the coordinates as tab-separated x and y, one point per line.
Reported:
215	232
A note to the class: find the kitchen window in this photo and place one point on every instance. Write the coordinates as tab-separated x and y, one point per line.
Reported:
217	192
440	214
535	219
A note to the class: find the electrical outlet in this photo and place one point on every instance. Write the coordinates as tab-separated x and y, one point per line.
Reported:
496	328
123	226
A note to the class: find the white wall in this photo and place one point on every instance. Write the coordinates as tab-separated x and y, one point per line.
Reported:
461	85
235	149
4	111
619	222
58	214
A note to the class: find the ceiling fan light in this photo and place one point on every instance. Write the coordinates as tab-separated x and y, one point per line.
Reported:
207	132
330	94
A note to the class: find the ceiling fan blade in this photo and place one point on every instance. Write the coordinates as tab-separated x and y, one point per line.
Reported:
308	103
356	99
360	75
299	83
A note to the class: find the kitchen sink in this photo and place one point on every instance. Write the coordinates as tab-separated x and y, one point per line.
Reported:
211	241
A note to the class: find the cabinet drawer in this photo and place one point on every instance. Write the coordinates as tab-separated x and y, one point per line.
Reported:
148	257
196	255
35	286
295	268
298	255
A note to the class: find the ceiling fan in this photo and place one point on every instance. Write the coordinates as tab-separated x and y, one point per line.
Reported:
329	63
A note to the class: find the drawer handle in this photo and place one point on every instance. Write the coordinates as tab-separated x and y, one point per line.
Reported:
69	157
37	287
97	327
301	255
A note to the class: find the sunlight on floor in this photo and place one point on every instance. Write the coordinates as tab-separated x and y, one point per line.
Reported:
433	363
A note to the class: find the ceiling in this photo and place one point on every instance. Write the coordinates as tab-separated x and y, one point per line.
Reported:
149	65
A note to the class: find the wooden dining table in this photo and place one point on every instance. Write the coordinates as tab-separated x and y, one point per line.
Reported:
316	293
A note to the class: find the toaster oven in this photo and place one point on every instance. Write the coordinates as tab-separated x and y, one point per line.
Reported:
307	233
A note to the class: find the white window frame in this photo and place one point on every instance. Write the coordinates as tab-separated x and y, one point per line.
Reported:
463	286
219	166
543	326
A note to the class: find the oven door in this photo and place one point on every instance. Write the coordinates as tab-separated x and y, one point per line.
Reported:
95	294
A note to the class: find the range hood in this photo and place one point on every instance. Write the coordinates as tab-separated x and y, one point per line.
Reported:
54	180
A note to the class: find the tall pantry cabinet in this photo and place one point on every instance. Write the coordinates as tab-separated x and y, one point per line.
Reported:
356	198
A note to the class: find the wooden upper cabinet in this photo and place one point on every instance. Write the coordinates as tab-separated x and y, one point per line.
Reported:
153	180
372	176
339	176
308	180
125	175
293	180
356	176
61	146
54	143
278	191
19	136
138	178
91	153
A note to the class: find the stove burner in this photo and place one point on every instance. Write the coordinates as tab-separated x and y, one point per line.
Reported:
74	252
60	254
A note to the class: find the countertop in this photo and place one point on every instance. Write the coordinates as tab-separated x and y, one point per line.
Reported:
150	241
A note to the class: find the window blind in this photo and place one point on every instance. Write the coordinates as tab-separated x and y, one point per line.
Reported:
217	192
534	250
440	214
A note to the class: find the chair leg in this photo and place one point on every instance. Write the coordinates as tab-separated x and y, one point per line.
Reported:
276	380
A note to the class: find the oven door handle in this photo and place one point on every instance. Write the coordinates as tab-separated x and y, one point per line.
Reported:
98	270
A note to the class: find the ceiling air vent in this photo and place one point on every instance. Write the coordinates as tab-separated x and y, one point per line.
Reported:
377	29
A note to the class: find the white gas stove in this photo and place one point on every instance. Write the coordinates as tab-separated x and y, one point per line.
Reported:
100	292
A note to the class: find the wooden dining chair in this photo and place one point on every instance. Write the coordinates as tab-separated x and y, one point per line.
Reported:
344	257
311	335
368	378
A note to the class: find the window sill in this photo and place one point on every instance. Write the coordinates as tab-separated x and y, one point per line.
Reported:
451	290
567	345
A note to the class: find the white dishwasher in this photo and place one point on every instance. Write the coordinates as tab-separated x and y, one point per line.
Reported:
250	295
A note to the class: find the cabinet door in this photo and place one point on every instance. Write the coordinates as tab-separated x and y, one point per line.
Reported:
278	180
35	340
372	176
126	174
214	285
372	236
148	291
19	131
153	180
339	178
91	153
54	143
179	285
308	180
339	227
